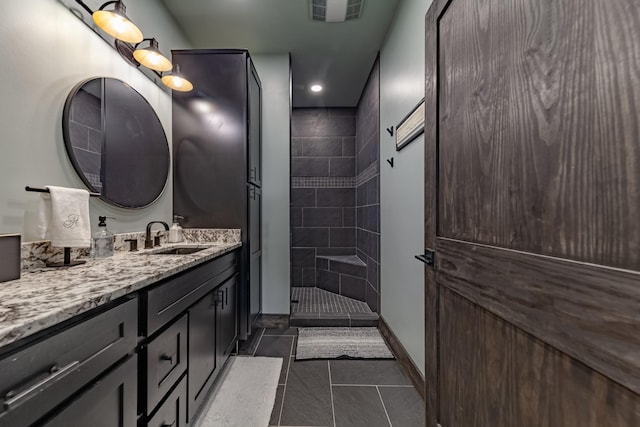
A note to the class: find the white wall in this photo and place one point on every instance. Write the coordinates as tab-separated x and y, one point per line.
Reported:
46	51
402	187
274	75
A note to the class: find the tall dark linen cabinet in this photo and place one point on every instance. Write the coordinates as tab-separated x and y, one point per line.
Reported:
217	156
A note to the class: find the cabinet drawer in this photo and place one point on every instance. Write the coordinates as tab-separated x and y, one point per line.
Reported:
174	296
166	358
110	401
173	412
37	378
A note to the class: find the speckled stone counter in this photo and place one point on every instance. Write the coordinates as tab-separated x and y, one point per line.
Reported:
44	297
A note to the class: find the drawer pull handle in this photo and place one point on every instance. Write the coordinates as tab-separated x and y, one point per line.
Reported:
167	357
13	398
168	425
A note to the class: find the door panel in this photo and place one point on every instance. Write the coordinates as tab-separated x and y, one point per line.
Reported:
513	379
588	311
539	102
532	189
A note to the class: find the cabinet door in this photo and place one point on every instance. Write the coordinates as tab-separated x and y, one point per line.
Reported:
255	137
255	254
110	402
202	349
255	286
255	219
227	331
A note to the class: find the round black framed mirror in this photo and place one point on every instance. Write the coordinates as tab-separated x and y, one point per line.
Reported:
116	142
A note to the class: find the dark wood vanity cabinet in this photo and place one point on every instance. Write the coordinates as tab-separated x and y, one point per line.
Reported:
217	152
83	368
190	330
148	359
226	319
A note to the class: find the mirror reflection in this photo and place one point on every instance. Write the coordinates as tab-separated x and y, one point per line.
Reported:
116	142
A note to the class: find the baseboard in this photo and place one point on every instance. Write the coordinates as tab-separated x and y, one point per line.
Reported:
272	321
398	350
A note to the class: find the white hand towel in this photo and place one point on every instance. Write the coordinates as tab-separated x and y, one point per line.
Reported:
63	215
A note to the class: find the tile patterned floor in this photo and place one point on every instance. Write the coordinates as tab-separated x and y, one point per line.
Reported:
339	393
315	300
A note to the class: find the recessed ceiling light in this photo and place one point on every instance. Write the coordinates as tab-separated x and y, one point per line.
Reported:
316	88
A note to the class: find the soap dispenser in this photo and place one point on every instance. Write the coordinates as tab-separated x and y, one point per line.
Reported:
102	240
175	232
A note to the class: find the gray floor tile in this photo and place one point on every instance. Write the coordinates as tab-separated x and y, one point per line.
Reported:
358	407
277	406
404	406
279	331
367	372
276	346
307	398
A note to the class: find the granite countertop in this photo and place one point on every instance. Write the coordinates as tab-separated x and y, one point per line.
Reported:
47	296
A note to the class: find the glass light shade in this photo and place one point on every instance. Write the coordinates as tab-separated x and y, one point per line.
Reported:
176	81
151	57
116	24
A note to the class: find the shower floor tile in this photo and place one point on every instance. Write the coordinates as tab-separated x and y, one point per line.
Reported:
314	307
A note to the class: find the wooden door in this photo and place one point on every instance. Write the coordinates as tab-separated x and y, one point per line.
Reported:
532	185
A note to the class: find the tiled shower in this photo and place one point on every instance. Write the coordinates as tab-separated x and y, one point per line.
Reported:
335	207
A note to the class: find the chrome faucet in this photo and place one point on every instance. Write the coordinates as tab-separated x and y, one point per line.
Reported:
148	241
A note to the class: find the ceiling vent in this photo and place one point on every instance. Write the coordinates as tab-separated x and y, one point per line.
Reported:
335	10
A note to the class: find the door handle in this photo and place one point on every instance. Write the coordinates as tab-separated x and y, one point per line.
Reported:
429	257
168	358
13	398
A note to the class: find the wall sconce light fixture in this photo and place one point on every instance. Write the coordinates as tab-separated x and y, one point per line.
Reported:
151	57
130	42
176	81
115	22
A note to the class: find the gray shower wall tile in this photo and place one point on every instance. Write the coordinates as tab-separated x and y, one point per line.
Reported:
302	166
342	237
350	269
309	277
336	197
349	146
373	299
322	217
368	217
367	155
368	242
309	237
335	251
295	217
342	166
296	276
373	190
303	197
322	263
303	257
328	280
296	147
353	287
323	126
322	147
349	217
373	273
361	195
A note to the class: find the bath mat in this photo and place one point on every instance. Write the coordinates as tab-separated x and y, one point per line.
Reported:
245	395
341	343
